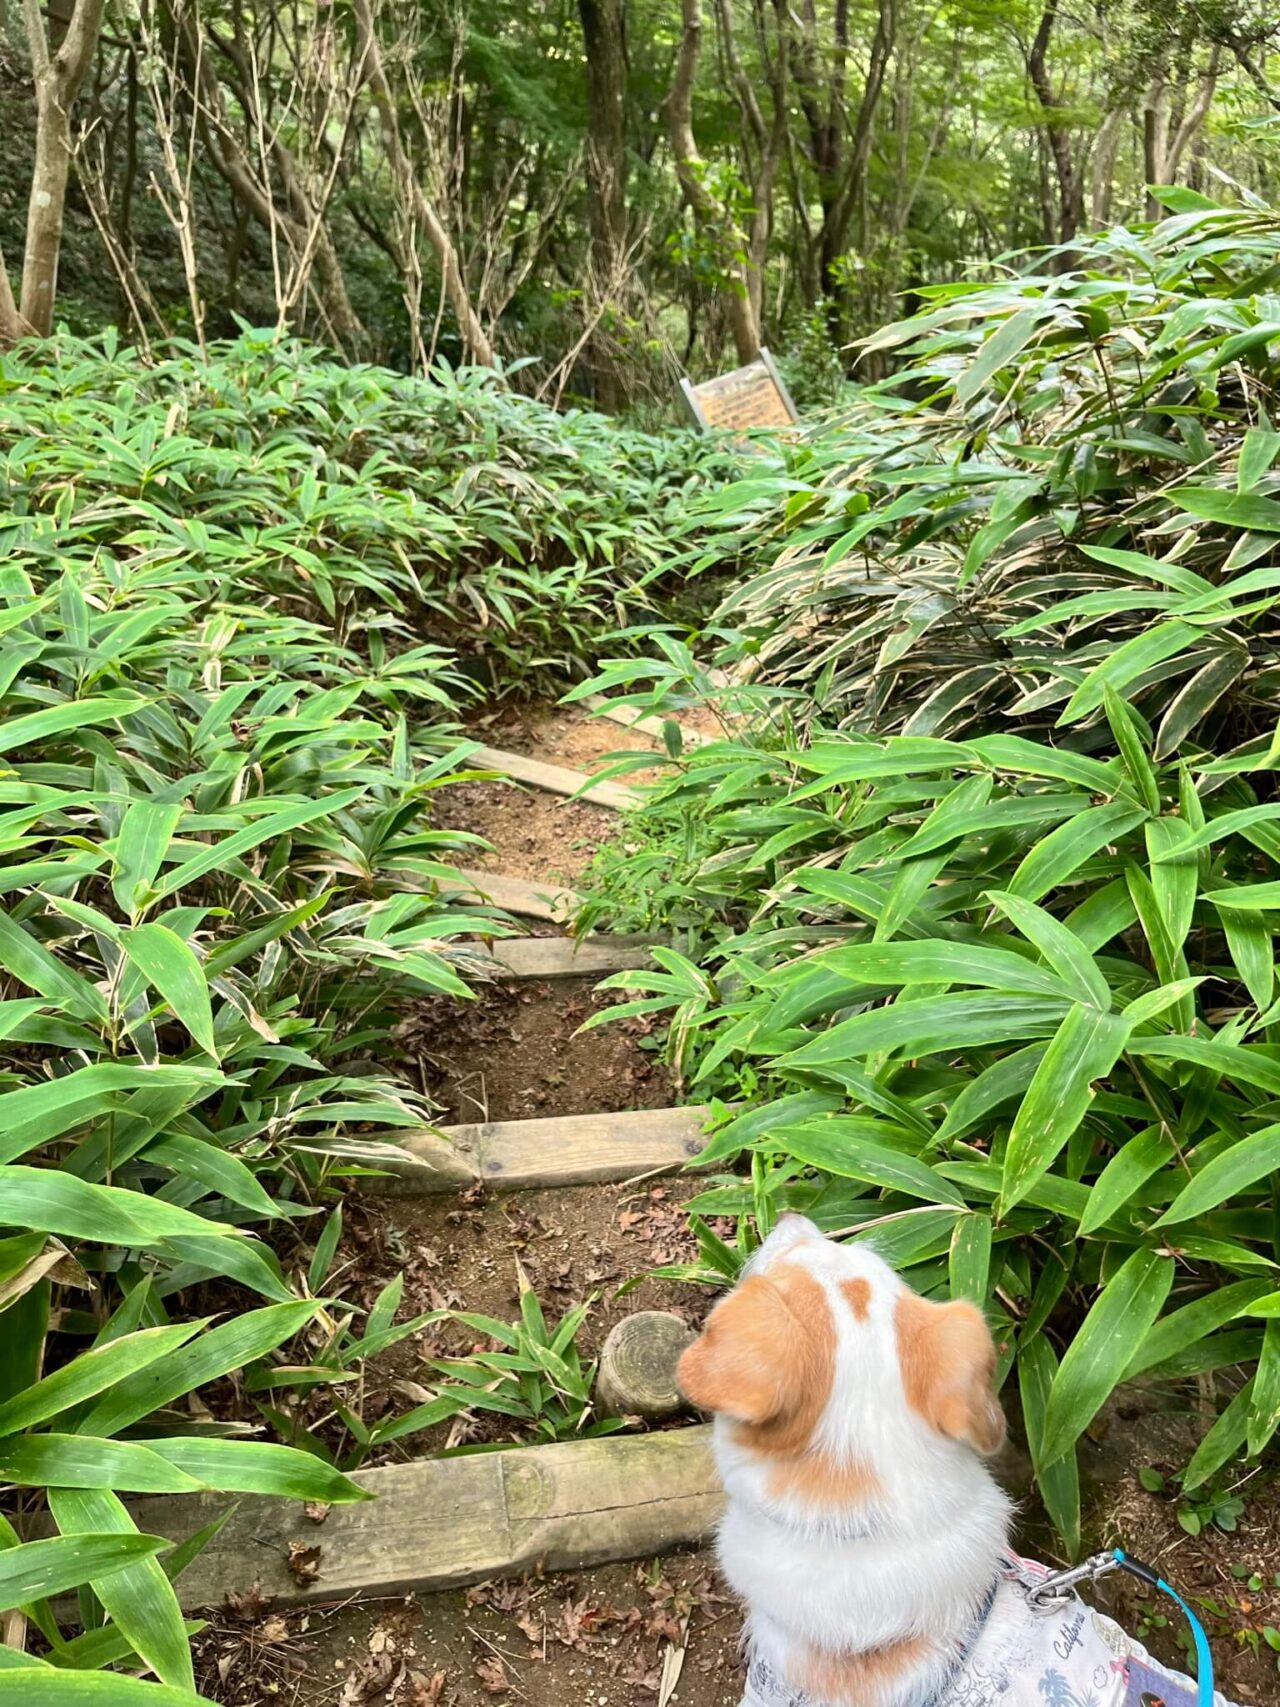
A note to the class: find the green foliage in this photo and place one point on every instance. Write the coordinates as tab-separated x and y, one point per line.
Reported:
1006	1003
221	738
1069	482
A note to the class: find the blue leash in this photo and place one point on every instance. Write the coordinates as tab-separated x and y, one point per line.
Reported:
1118	1559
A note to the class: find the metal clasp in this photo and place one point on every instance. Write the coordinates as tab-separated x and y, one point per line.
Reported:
1058	1584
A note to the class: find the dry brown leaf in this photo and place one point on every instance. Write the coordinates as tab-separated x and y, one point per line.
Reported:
316	1510
426	1691
304	1562
491	1674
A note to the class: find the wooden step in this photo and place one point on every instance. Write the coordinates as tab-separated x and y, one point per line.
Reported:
644	722
439	1523
554	779
567	956
526	1155
516	895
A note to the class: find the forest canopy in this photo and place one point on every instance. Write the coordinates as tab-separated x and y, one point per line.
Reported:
620	190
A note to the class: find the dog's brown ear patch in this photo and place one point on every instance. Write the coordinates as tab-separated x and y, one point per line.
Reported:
948	1363
766	1357
731	1367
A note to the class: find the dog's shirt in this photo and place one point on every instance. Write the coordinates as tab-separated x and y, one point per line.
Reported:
1062	1654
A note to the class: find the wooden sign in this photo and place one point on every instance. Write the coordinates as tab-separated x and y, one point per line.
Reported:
751	396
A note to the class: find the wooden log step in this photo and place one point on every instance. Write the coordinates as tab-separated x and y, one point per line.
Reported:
554	779
644	722
516	895
567	956
439	1523
526	1155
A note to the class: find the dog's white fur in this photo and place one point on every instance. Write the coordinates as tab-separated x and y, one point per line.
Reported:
895	1578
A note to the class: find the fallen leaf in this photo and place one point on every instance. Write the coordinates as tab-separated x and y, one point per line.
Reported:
316	1510
492	1676
304	1562
273	1630
426	1691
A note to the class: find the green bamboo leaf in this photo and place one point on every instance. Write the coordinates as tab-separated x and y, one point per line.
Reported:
1222	1442
1246	1064
1128	1170
1264	1411
946	1023
1257	453
1086	1047
821	1144
1057	944
1003	346
1174	1333
38	1113
1059	1479
139	1599
969	1263
32	964
171	967
1150	647
1174	876
1099	1354
938	962
1229	1173
141	844
82	1461
218	1351
1234	509
1197	697
279	822
1254	897
257	1467
36	1570
1058	856
1252	950
215	1169
106	1214
1124	726
92	1372
37	726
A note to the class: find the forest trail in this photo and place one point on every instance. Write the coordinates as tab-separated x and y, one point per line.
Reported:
559	1164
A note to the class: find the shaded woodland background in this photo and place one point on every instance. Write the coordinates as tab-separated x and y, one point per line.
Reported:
617	189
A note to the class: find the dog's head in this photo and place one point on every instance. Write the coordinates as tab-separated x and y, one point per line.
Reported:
821	1347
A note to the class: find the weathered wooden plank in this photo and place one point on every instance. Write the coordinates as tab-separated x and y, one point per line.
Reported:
526	1155
567	956
645	723
554	779
441	1522
516	895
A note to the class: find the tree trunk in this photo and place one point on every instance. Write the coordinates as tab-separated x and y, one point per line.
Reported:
12	325
1069	184
57	80
714	219
604	38
1104	168
1155	140
474	339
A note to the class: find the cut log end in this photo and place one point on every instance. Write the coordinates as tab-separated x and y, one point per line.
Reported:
637	1376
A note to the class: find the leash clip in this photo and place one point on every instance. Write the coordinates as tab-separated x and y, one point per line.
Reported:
1058	1584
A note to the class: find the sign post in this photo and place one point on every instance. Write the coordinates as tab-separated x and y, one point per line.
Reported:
751	396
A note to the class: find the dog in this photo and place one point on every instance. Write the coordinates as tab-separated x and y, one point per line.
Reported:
863	1529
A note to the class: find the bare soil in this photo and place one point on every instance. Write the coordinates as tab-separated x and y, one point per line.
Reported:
593	1639
516	1054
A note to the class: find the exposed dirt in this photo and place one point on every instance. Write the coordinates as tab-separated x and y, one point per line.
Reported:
535	836
594	1639
514	1054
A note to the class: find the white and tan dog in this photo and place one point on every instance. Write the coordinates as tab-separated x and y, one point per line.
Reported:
862	1529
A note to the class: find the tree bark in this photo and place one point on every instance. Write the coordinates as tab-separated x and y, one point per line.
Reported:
1104	168
604	39
1069	184
712	216
58	77
474	338
12	325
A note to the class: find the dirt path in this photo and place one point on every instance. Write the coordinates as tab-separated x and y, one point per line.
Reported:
624	1635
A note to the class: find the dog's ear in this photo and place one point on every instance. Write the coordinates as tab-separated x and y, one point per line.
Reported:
744	1362
948	1364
